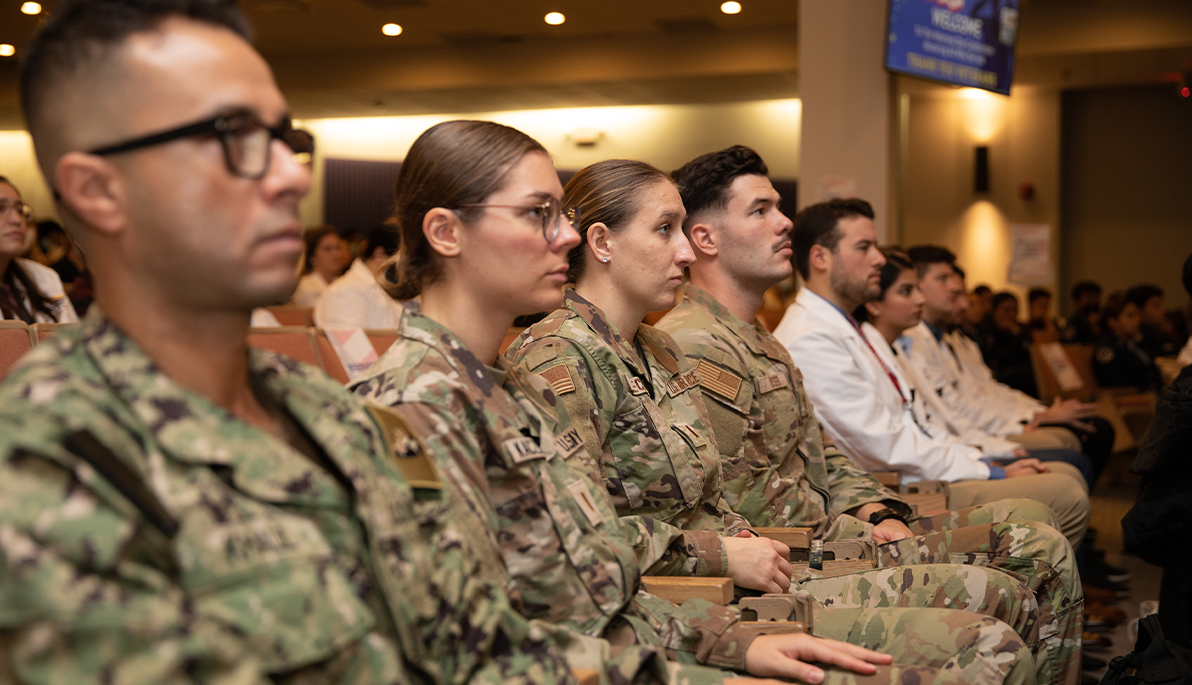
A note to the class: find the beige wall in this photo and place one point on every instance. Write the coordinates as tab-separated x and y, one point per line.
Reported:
18	164
943	128
664	135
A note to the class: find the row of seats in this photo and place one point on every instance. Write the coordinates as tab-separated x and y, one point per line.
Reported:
304	343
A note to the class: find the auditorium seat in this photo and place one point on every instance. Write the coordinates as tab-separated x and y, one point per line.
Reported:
296	342
330	360
289	315
15	340
381	338
510	335
45	330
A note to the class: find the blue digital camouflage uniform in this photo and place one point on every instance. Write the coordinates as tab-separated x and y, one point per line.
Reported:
530	484
147	536
781	471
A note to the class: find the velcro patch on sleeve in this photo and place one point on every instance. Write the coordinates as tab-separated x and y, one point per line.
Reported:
772	382
559	377
715	379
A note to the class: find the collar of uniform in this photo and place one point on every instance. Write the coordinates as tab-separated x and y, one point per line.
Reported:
190	428
416	325
937	333
658	348
755	336
826	311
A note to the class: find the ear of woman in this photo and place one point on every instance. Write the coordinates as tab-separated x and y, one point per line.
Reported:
597	239
441	228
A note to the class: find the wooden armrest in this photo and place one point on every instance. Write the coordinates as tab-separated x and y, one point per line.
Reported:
679	589
586	676
791	537
927	503
890	479
921	486
837	568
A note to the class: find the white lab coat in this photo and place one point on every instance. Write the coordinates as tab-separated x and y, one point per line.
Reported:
310	287
356	300
50	285
859	406
925	363
976	380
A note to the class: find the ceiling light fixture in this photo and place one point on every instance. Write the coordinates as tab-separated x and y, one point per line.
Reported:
731	7
554	18
31	8
7	50
391	29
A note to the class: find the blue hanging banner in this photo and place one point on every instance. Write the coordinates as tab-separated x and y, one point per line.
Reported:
961	42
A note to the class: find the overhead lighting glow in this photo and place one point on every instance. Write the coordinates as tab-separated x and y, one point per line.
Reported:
391	30
555	18
731	7
7	50
31	8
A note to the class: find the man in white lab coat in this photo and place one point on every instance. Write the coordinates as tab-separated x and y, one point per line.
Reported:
859	398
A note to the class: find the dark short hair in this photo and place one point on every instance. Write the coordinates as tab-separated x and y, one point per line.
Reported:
704	181
959	271
312	237
1004	296
817	225
1083	287
925	255
82	33
896	263
1038	294
1142	293
982	290
384	236
1115	304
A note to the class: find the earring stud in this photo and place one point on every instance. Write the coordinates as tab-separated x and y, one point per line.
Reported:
605	259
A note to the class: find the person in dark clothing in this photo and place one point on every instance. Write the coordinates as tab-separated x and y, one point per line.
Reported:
1084	326
1158	338
1118	362
1040	323
1159	527
1006	345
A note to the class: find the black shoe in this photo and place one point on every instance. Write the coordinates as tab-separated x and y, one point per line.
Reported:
1086	679
1098	576
1092	663
1097	565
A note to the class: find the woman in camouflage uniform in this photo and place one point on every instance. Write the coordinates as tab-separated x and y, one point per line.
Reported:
484	240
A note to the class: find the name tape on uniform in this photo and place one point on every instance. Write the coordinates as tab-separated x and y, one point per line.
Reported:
559	377
772	382
682	383
636	386
587	504
567	443
523	449
724	383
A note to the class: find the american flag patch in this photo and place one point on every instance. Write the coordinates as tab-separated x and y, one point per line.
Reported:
713	378
559	377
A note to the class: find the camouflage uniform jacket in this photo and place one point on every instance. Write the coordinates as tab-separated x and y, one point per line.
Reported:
495	434
146	535
779	470
638	404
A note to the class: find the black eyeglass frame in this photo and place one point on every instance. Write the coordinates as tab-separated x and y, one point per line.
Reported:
222	126
570	213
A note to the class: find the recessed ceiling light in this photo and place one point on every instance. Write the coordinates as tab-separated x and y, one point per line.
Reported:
731	7
7	50
391	30
554	18
31	8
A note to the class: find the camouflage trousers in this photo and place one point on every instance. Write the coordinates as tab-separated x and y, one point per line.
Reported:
1006	535
928	645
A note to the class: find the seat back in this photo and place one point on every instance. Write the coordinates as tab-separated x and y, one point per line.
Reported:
510	335
289	315
15	340
44	330
331	363
382	338
296	342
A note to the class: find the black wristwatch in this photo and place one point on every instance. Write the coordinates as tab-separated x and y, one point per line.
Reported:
883	514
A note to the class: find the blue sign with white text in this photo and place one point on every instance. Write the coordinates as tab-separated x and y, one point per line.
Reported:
963	42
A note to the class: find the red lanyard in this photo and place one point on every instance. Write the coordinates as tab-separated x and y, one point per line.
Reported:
893	378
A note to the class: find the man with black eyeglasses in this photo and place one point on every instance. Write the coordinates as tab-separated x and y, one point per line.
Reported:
175	507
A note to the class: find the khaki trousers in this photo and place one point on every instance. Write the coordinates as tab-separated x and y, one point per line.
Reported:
1048	438
1063	491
